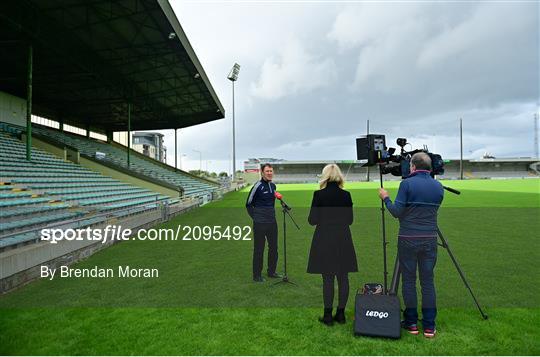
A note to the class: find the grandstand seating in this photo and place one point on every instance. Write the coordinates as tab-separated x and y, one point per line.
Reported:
48	190
296	178
490	174
191	185
312	178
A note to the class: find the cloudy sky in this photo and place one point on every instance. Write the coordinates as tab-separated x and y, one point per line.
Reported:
314	72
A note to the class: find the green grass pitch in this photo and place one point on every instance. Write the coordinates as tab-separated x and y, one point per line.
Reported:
205	303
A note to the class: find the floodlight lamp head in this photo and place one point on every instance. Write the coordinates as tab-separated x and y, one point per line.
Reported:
172	36
233	74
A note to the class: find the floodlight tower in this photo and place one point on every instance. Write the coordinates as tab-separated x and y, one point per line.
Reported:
536	136
233	77
200	159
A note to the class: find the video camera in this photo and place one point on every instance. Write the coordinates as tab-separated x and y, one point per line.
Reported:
373	148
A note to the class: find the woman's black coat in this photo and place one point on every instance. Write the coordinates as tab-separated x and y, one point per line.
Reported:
332	249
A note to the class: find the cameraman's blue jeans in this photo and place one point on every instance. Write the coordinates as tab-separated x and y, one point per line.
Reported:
421	252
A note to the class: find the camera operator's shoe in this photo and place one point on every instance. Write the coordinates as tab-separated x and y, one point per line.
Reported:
429	333
339	317
327	317
274	276
412	329
258	279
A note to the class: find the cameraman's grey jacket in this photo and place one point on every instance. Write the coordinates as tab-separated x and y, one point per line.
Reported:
416	205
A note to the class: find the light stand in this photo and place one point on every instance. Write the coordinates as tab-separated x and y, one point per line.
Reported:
286	212
233	77
395	277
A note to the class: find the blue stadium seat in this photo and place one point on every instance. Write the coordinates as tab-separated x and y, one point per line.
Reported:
192	186
48	190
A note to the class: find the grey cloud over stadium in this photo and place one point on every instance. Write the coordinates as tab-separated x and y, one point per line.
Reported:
313	73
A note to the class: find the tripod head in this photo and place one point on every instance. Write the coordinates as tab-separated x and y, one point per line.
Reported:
284	205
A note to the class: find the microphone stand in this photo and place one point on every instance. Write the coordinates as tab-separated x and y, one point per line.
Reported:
286	212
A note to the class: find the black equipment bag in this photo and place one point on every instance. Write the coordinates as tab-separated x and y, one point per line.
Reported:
372	289
377	315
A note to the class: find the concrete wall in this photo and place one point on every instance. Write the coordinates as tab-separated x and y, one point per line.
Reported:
73	155
12	109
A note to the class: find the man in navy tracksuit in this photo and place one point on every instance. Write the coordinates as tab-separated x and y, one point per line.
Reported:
260	207
416	206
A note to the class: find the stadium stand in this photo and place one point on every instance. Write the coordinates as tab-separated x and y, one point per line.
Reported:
49	189
309	171
88	147
132	70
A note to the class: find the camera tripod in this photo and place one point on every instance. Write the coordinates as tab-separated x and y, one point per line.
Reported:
286	212
395	277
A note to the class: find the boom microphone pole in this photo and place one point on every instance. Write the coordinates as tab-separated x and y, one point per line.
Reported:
453	190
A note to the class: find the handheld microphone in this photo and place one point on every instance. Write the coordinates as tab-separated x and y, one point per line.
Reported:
279	196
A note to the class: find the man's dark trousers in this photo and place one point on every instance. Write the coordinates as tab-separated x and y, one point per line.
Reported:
421	253
265	232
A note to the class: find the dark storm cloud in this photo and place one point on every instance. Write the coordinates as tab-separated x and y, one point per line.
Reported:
313	73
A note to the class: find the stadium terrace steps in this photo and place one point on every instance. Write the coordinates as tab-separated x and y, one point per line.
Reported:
29	222
72	185
28	237
31	210
88	147
78	190
93	202
21	202
48	190
14	195
73	197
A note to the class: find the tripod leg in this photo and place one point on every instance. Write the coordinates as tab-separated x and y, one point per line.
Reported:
445	245
394	285
284	246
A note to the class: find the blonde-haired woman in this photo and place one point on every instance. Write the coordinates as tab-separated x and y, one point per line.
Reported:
332	251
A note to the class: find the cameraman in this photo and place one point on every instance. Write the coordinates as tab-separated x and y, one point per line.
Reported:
416	206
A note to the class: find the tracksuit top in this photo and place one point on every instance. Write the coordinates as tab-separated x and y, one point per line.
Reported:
260	202
416	205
